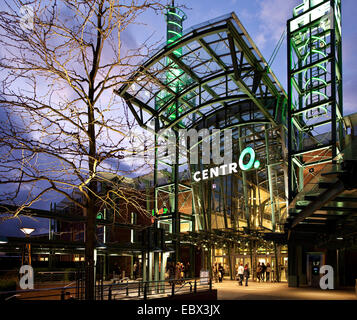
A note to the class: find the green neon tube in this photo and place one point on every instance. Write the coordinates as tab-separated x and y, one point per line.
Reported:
321	107
175	23
314	51
174	32
317	66
315	78
175	14
316	92
314	37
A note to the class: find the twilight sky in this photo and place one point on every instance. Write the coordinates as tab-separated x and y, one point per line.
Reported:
264	20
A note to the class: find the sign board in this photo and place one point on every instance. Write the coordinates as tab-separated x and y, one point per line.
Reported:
159	211
230	168
204	277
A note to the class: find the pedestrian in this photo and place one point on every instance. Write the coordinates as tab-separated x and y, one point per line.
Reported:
268	271
215	272
220	272
246	274
262	274
135	270
177	271
182	271
259	270
240	274
187	270
171	271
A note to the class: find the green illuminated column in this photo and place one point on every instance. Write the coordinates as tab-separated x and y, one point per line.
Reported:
244	179
270	177
144	266
162	271
315	110
156	270
150	267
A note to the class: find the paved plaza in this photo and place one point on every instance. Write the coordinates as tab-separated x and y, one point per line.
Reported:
230	290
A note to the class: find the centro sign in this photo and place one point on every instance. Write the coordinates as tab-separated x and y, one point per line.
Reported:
230	167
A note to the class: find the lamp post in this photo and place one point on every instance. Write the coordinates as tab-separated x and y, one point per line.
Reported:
27	232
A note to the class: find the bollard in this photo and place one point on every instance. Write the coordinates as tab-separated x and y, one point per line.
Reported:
145	291
210	284
195	287
173	289
62	294
190	287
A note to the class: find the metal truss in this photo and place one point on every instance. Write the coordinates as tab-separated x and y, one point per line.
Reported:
219	65
211	76
315	126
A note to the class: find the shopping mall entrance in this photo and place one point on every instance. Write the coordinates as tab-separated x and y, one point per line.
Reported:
278	263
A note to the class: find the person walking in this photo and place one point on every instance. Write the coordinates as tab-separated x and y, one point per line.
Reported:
259	270
262	274
215	272
246	274
182	271
220	272
171	271
135	270
268	271
187	270
240	274
177	271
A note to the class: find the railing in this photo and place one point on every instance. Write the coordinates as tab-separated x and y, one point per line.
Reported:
162	288
58	287
113	291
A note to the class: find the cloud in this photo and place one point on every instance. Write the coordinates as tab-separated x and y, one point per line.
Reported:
273	15
260	40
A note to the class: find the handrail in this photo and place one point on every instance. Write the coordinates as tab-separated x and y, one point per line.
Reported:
66	286
130	290
13	296
183	285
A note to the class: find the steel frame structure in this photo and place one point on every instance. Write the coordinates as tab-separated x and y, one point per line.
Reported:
315	123
211	76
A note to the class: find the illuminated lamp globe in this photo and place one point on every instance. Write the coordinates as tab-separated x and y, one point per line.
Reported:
27	231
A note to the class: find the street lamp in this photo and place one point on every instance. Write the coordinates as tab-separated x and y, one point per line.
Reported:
27	232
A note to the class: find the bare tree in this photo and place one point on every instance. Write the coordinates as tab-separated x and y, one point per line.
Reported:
60	122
